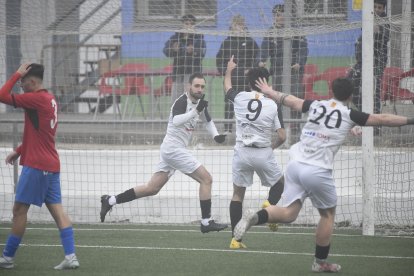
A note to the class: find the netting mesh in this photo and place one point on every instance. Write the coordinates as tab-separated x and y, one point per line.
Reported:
111	66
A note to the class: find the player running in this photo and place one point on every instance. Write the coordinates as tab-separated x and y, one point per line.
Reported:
309	173
174	155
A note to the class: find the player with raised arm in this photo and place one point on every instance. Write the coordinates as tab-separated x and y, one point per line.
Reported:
309	172
39	181
174	155
257	123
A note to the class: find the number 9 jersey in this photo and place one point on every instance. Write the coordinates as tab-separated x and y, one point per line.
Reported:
256	118
327	126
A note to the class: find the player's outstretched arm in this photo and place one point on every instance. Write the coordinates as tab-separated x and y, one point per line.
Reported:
227	76
282	98
388	120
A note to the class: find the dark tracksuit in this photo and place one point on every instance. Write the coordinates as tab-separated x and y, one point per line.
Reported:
272	47
246	52
381	39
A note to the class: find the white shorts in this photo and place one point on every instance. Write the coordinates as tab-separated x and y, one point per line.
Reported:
175	158
247	160
304	180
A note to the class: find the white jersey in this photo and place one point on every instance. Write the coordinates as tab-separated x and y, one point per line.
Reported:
327	126
256	118
180	134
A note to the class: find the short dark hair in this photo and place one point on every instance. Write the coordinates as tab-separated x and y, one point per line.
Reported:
381	2
278	8
256	73
342	88
196	76
36	70
189	17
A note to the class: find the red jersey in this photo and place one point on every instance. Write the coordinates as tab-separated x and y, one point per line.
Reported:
40	123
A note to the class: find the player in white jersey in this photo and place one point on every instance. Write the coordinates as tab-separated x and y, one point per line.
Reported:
257	123
174	155
309	173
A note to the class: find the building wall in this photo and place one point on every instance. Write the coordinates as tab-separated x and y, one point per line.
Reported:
150	44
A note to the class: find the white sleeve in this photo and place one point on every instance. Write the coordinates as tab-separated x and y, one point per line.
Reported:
276	121
181	119
211	128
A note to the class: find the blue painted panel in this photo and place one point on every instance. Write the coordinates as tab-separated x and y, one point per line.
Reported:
150	45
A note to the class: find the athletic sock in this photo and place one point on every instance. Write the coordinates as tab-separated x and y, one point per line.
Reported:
127	196
263	216
205	221
276	191
321	253
112	200
12	244
236	210
205	206
67	239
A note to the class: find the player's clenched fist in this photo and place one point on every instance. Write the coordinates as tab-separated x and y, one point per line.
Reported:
220	138
201	104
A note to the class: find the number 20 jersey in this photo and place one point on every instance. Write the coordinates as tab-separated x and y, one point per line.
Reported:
327	126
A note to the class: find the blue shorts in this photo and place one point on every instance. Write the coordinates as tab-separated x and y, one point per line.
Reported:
37	187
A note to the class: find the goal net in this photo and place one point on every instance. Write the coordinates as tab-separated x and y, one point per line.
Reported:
116	66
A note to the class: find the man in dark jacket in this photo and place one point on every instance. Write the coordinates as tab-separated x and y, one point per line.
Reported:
245	51
381	38
272	47
187	50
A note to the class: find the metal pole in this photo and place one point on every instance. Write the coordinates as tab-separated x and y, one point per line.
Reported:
406	35
15	165
367	94
13	45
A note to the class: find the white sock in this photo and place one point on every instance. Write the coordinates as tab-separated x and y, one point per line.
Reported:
112	200
9	259
70	256
205	222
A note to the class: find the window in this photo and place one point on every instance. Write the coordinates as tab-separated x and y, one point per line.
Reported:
323	8
167	12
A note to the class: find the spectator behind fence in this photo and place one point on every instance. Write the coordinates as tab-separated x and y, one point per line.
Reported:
381	38
187	50
272	46
245	51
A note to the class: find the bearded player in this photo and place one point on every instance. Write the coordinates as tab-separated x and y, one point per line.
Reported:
174	155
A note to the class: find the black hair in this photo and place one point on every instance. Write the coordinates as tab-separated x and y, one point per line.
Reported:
381	2
342	88
36	70
256	73
278	8
196	76
189	17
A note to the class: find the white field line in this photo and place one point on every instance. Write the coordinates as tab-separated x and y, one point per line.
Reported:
196	231
216	250
200	249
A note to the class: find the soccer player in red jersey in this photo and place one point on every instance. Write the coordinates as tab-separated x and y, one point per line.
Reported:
39	180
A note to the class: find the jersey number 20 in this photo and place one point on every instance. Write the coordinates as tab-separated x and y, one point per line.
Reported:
327	117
